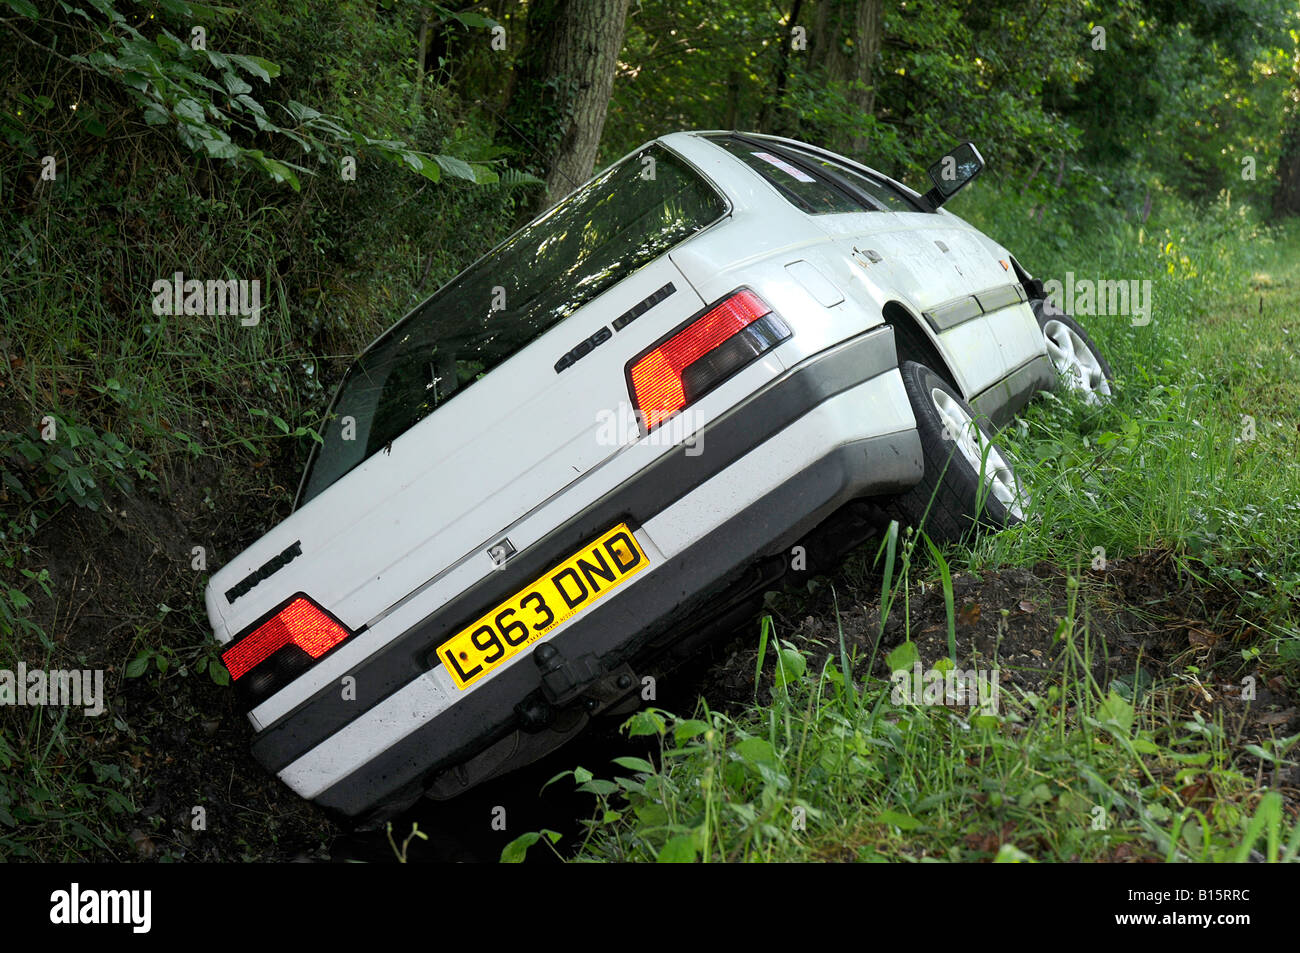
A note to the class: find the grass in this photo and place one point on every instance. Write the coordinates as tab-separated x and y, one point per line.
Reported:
1197	456
1196	459
830	773
831	770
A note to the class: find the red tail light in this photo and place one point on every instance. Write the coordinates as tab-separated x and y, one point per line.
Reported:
702	354
299	622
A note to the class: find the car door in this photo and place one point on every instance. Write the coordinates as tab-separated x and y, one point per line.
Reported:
895	251
993	327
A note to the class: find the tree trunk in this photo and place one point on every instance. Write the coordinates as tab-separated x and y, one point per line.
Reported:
846	42
733	99
562	89
771	119
1286	199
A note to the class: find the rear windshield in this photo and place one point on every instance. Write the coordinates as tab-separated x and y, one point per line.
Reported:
611	227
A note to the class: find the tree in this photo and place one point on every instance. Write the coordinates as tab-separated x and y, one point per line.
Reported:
562	86
845	44
1286	199
843	41
772	119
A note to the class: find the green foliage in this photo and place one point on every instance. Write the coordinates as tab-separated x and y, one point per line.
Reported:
204	96
75	799
57	471
1180	94
180	159
202	658
515	851
40	476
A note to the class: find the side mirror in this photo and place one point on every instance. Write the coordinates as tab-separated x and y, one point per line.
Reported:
951	173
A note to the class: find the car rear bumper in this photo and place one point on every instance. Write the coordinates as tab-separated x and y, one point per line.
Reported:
835	428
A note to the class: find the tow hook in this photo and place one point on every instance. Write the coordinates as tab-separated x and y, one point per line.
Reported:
564	680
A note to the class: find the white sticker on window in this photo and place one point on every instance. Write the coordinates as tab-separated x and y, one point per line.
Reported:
784	166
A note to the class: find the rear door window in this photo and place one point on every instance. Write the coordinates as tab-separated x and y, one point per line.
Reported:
817	185
800	186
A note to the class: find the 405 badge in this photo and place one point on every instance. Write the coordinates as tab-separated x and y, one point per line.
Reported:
567	589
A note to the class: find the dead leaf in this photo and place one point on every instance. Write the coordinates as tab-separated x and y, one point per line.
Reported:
969	614
1275	717
144	845
1202	790
1027	606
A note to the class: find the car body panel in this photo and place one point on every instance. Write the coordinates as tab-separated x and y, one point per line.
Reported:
674	532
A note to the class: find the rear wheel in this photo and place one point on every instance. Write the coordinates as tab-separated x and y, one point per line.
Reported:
1077	360
968	480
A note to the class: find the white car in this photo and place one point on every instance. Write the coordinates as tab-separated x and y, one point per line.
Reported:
600	443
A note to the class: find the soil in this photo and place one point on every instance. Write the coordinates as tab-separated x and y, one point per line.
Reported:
123	578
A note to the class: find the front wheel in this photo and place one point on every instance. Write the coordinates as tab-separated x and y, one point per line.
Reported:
968	480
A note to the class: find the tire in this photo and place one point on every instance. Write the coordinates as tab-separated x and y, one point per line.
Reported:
1079	363
951	487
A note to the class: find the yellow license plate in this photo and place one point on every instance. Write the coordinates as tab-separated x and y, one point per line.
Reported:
529	614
